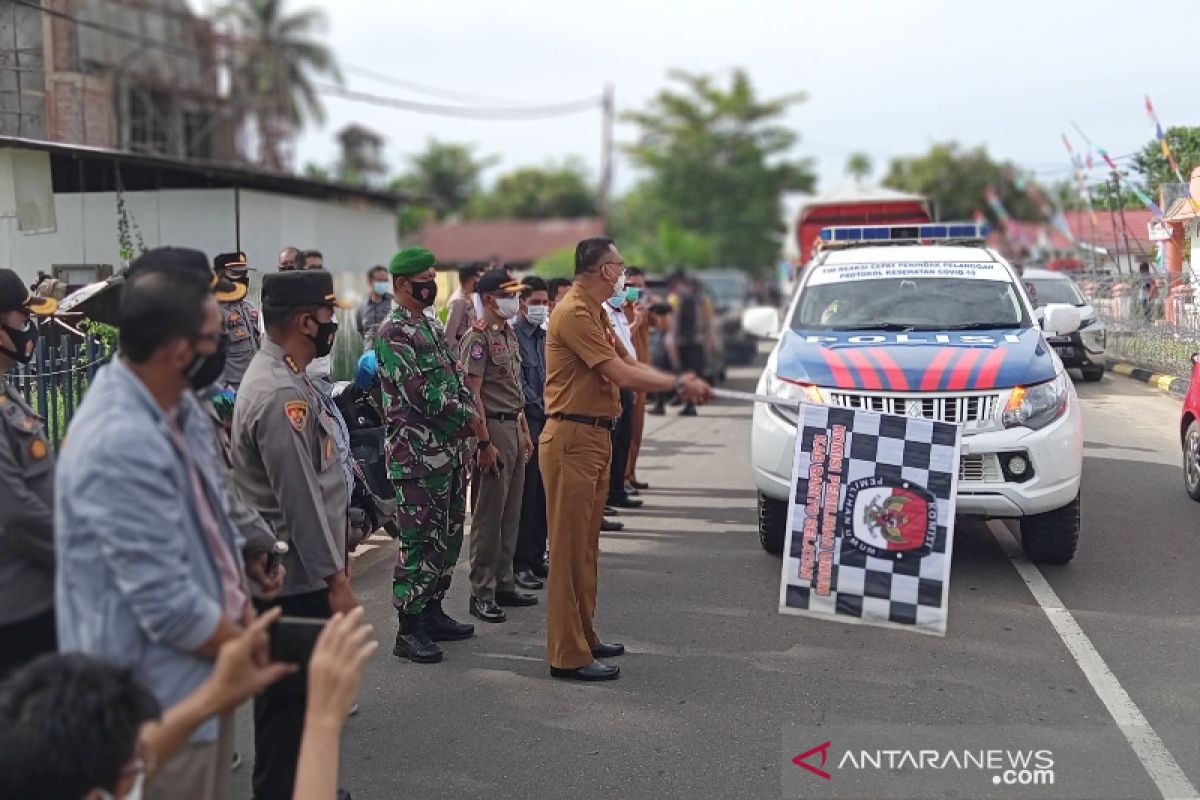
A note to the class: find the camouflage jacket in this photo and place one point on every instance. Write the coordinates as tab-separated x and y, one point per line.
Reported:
425	391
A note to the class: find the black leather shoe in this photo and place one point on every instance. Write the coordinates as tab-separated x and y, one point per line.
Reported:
527	580
441	627
688	411
609	511
487	610
627	502
631	490
610	526
641	487
594	671
658	410
542	570
414	644
515	599
602	650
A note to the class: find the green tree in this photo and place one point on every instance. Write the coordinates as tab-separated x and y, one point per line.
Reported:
558	264
859	166
956	181
714	157
444	176
274	70
670	248
1152	165
538	193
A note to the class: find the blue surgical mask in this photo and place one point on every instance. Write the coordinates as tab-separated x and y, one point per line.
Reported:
618	299
381	287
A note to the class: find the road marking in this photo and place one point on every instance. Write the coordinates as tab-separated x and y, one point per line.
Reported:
1157	760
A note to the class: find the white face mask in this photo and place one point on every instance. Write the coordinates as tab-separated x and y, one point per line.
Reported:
537	315
619	288
507	307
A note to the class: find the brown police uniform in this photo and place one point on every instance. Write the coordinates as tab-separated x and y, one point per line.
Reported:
492	353
582	407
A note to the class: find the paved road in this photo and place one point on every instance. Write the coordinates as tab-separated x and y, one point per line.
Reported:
719	691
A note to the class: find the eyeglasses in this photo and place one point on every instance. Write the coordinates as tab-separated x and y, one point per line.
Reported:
620	264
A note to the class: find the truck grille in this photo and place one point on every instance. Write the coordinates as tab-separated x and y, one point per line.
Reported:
980	468
959	409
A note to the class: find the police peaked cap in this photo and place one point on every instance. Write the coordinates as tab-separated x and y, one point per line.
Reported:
496	281
411	261
235	261
300	289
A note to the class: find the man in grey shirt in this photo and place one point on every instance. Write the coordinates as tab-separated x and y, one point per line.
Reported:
375	309
150	568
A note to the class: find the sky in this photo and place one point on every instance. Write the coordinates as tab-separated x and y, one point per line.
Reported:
885	78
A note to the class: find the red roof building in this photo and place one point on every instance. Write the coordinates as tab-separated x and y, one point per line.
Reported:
516	242
1110	231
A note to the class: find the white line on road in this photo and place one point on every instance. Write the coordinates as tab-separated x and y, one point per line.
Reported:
1160	765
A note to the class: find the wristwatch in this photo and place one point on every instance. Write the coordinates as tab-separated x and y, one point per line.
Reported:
679	385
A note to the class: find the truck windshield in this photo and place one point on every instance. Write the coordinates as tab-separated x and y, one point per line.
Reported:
910	304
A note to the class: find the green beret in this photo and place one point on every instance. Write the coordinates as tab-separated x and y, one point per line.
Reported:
411	261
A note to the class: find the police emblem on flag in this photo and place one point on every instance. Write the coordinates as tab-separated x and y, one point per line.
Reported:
889	519
870	528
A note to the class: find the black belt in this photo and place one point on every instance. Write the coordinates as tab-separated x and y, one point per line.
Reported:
504	416
595	422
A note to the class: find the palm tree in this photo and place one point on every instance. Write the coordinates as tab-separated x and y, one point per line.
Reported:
859	166
274	66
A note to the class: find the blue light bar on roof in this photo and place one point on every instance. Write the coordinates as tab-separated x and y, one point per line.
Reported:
927	233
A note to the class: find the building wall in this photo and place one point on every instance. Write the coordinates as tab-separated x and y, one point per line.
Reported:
351	238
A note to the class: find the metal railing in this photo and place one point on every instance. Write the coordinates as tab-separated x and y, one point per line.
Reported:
54	382
1153	323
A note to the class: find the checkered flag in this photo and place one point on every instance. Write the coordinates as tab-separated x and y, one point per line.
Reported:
871	519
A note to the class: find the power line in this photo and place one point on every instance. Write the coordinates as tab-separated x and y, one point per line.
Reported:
426	89
465	112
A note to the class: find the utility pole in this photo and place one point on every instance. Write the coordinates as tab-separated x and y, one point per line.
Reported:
1114	198
604	195
1124	224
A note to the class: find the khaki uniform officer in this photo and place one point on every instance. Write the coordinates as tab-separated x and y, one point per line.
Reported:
288	467
585	367
239	317
26	491
491	356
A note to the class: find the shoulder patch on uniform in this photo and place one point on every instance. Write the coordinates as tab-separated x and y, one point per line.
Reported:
477	350
38	450
297	414
479	325
291	364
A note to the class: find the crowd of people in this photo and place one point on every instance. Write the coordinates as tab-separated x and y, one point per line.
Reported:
150	573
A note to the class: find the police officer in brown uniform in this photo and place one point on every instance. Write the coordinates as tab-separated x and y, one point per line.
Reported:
26	491
239	318
491	356
585	367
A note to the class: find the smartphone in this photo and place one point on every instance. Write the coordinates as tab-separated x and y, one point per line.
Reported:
293	639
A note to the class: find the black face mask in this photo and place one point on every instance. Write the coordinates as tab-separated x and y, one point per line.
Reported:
206	368
323	339
23	342
424	292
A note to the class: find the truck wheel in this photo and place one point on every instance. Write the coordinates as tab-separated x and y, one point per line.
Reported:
1051	538
1191	460
772	524
1092	374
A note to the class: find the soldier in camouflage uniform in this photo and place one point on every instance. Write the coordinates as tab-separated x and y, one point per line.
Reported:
430	412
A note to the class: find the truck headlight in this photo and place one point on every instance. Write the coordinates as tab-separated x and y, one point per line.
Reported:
791	390
1094	337
1037	406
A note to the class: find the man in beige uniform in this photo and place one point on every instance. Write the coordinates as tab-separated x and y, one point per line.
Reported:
585	366
460	308
491	357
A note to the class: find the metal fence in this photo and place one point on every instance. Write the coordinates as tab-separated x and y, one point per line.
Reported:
1155	328
54	382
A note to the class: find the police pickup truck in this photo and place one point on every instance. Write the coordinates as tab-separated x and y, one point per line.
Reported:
926	321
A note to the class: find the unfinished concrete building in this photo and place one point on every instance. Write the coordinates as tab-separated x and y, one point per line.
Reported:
134	75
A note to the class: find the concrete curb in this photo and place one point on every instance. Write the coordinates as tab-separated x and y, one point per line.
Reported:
1168	383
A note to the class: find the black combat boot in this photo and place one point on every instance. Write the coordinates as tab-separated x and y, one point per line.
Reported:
414	644
441	627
